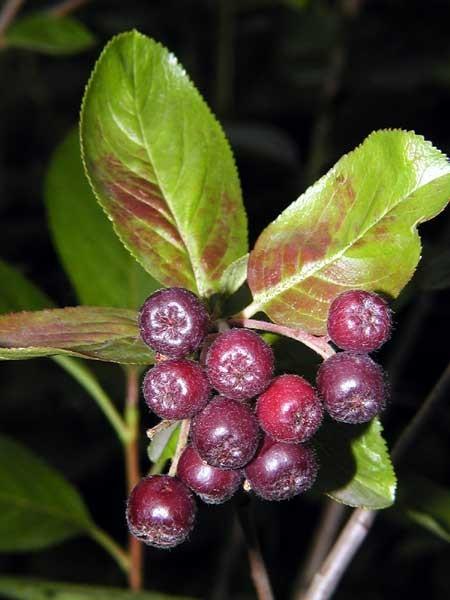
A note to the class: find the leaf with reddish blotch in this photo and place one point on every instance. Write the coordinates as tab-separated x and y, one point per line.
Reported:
109	334
161	167
354	228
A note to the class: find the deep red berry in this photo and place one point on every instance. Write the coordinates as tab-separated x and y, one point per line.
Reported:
280	471
176	389
352	387
225	433
173	322
239	364
161	511
213	485
359	321
289	410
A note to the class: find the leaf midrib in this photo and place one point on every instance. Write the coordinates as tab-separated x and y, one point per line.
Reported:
150	157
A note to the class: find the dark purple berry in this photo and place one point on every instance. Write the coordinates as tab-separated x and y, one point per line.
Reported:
213	485
280	471
225	433
359	321
352	387
173	322
161	511
289	410
176	389
239	364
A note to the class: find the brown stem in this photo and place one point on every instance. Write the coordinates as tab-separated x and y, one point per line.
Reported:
357	527
182	441
321	543
68	6
133	471
258	569
8	13
316	343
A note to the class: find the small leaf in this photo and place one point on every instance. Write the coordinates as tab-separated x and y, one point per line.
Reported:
427	504
34	589
163	443
108	334
160	166
38	507
102	271
49	34
355	467
354	228
234	276
17	293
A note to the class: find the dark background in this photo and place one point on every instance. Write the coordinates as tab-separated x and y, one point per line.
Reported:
295	89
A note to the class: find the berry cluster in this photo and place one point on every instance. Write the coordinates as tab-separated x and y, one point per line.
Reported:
230	438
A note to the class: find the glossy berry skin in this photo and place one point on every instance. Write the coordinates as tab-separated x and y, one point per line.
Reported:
225	433
173	322
352	387
239	364
176	389
289	410
213	485
161	511
359	321
281	471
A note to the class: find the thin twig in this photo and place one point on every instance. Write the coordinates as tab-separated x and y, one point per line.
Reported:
258	568
8	14
133	471
348	11
323	538
356	529
182	441
66	7
318	344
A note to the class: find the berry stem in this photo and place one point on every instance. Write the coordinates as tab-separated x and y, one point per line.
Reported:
357	527
182	441
258	569
132	470
320	345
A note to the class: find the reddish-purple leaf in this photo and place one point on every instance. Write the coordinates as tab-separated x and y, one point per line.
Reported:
109	334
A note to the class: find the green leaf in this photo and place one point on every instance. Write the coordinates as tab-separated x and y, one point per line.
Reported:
34	589
161	167
102	271
17	293
354	228
427	504
355	467
49	34
38	507
234	276
108	334
163	447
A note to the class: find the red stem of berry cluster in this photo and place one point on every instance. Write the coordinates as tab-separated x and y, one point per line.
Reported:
316	343
357	527
8	14
68	6
133	472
